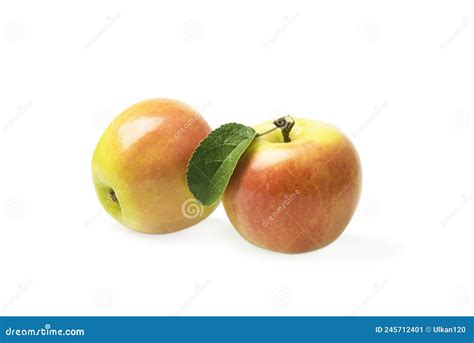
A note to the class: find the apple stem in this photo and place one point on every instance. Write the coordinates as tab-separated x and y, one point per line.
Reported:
285	124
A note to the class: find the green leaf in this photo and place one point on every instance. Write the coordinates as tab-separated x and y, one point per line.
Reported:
215	159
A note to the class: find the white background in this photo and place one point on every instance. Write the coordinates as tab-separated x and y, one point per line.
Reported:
397	77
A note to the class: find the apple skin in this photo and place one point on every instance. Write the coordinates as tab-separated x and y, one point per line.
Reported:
139	166
297	196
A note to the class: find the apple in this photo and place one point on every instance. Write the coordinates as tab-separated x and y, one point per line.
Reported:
139	166
295	196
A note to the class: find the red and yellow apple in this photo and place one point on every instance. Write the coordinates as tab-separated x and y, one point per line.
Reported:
295	196
139	166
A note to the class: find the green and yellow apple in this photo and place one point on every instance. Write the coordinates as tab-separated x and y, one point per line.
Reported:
139	166
295	196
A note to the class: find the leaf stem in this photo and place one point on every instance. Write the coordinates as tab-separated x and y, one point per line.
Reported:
268	131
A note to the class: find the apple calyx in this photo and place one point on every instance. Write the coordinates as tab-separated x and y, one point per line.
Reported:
113	196
285	123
